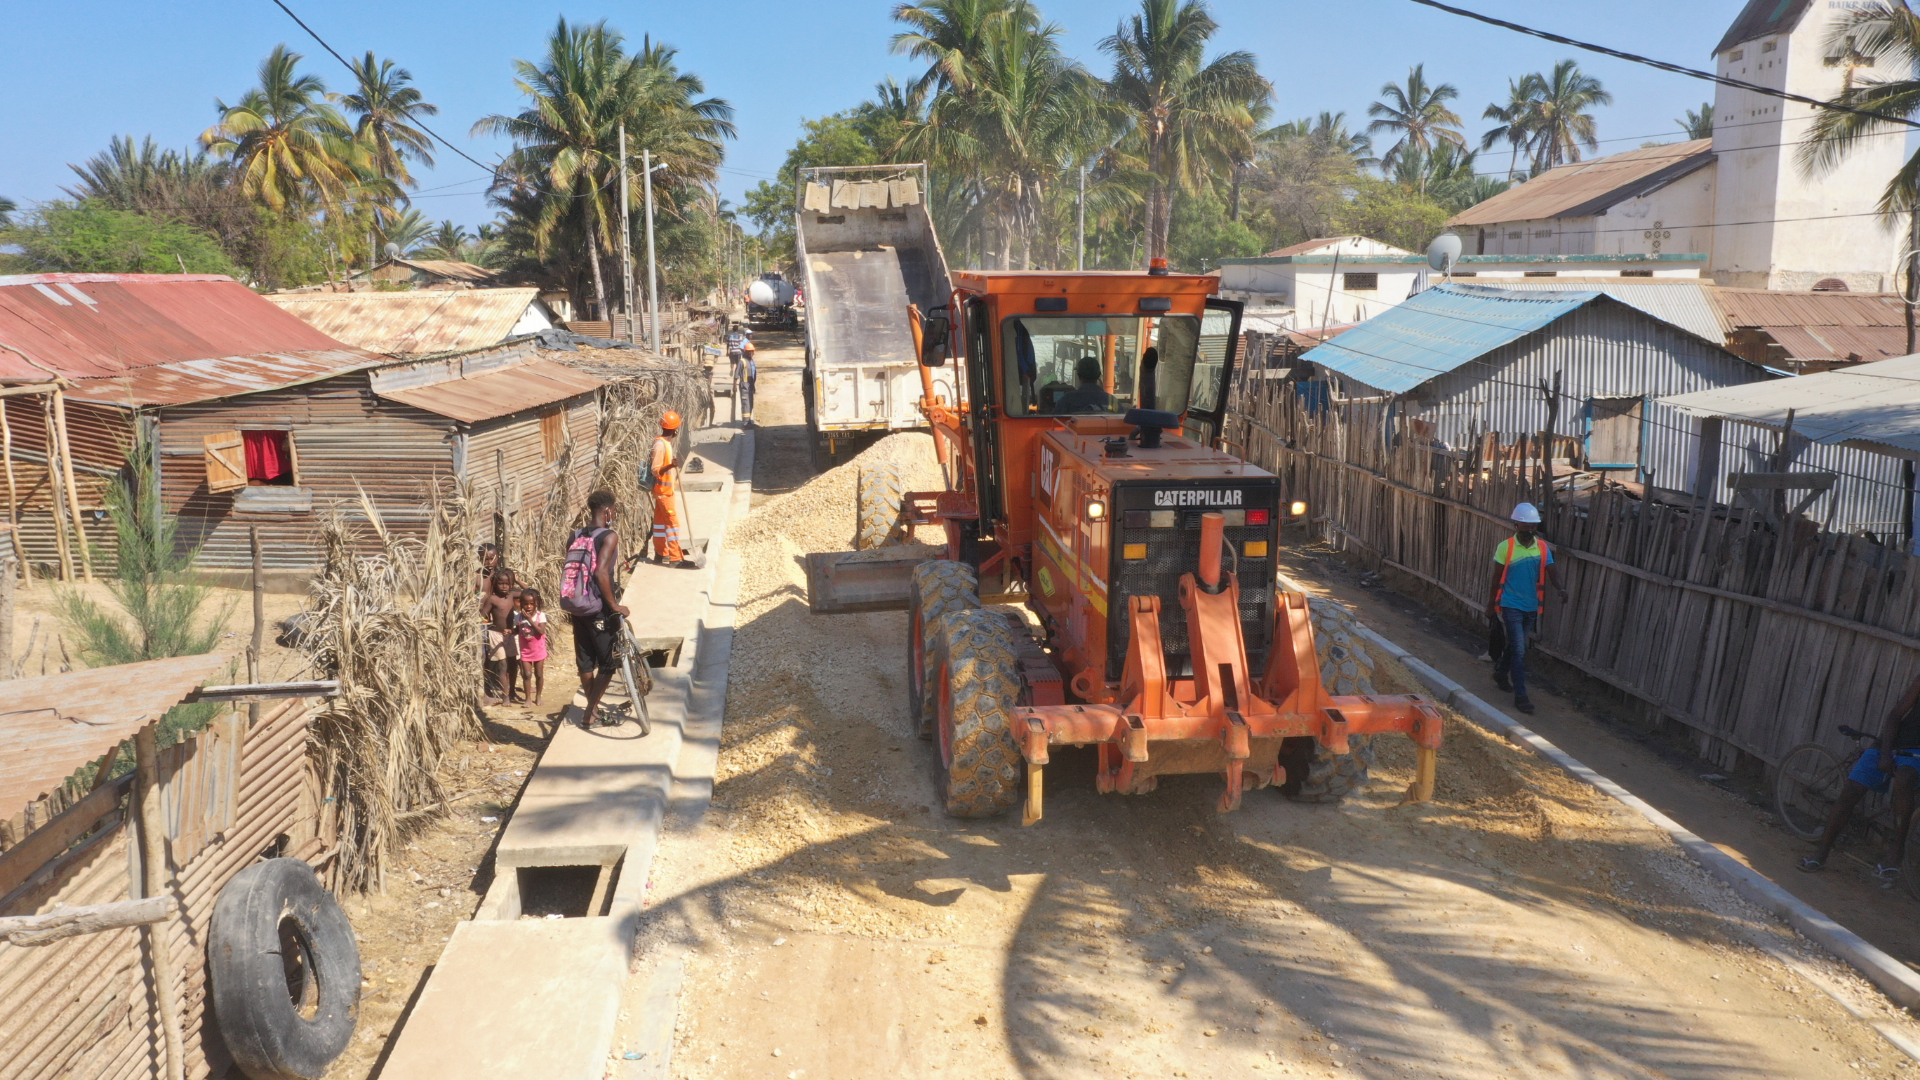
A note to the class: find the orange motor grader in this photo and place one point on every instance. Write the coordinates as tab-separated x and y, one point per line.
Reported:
1083	480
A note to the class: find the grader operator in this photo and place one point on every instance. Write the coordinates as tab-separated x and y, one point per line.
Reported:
1084	481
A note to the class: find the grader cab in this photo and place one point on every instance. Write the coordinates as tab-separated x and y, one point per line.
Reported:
1084	480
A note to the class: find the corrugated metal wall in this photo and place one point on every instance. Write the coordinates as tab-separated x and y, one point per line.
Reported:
510	449
344	439
100	435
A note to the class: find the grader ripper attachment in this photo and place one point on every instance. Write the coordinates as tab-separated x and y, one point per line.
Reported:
1086	482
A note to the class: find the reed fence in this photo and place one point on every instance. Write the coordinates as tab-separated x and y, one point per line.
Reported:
1756	631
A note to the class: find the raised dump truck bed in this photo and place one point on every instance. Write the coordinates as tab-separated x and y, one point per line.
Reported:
867	249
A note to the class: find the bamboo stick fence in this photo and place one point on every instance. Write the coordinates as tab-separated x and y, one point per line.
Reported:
1756	636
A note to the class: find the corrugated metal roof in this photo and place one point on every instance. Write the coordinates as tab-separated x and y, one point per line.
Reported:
116	327
1874	405
1439	330
413	323
1766	307
499	393
1761	18
52	725
451	269
1684	302
1588	187
1842	343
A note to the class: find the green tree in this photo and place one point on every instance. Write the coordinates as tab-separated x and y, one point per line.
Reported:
1417	114
1889	35
1698	125
1514	120
289	148
447	241
1192	118
1391	213
1201	234
1560	120
7	207
386	108
92	238
1303	174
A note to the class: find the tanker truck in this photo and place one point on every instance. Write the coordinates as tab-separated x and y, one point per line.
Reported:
866	249
770	302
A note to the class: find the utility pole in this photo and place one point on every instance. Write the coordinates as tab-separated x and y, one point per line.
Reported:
1080	225
626	240
1912	291
653	278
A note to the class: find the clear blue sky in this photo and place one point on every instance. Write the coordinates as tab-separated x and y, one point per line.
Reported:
73	74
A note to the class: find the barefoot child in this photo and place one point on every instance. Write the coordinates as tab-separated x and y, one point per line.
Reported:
496	607
530	626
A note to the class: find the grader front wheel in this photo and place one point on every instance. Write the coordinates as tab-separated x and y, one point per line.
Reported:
1316	776
976	684
938	587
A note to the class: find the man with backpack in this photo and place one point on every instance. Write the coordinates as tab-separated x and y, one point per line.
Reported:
1523	568
589	594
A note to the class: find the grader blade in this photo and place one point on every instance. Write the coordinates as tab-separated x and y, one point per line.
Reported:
844	582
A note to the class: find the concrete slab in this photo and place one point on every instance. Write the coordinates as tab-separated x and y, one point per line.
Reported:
520	1000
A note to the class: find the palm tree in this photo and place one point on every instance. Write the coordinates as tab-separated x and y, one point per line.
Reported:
449	241
1192	118
384	107
1417	113
288	147
1515	119
952	35
1560	121
1698	125
409	231
7	207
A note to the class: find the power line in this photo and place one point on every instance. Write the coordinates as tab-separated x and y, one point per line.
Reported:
1692	73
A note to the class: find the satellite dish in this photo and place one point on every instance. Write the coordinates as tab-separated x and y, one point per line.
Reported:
1444	252
393	249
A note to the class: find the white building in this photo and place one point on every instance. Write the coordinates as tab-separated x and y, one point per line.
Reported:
1740	200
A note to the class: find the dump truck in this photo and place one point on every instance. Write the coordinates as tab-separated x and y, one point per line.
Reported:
1086	482
866	249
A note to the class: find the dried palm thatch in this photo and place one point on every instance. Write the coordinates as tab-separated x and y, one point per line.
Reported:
393	618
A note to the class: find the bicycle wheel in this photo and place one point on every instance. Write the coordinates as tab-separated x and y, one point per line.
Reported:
1805	787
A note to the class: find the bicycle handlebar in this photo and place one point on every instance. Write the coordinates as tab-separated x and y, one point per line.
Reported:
1853	733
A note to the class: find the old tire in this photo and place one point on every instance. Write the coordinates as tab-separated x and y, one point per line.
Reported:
976	681
284	971
1316	776
938	587
881	492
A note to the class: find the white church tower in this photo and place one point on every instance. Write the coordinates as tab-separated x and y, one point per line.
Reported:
1776	227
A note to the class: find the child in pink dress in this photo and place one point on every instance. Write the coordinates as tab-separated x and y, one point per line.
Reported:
530	625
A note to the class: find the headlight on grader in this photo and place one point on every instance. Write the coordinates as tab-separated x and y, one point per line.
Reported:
1096	510
1298	509
1163	519
1235	519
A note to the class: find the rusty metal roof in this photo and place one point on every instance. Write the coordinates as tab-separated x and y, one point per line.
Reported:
1766	307
149	339
415	323
499	393
1588	187
451	269
1841	343
54	724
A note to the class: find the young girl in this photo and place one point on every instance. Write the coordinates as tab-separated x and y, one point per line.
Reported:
530	625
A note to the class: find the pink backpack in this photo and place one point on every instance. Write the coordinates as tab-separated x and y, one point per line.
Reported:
579	592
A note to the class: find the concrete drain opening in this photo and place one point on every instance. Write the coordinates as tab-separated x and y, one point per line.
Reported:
570	892
661	652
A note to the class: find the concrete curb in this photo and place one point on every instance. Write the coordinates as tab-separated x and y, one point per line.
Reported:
1885	972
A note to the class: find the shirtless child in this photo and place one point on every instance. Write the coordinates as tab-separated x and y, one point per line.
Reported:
497	608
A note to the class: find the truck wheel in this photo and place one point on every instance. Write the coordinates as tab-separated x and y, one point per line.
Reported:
881	492
284	971
938	587
976	683
1316	776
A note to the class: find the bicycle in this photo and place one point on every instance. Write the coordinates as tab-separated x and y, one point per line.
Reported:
1808	783
637	688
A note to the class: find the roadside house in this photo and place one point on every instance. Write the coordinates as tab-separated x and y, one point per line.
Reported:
422	323
427	273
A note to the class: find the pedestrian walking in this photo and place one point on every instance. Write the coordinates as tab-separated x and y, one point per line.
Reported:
530	632
1893	763
744	383
666	493
1523	569
589	594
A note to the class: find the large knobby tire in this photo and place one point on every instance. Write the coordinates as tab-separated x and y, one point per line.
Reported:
881	493
977	767
1316	776
284	971
938	587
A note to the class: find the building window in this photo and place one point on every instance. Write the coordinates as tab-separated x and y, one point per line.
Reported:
1360	282
1542	234
1738	54
1516	234
1636	273
269	457
553	432
1769	46
1541	273
1466	273
1614	427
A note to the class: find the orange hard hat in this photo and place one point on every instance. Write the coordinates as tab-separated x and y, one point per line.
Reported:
671	421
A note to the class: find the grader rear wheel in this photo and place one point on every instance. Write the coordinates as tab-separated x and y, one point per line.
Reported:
938	587
881	492
1316	776
977	767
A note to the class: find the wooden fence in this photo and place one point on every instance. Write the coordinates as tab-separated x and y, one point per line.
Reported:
1756	636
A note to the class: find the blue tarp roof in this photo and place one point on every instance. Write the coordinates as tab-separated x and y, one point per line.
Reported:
1439	330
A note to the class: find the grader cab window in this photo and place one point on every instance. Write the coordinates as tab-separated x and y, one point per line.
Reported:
1077	365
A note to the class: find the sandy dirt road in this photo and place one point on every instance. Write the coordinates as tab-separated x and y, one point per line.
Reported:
834	925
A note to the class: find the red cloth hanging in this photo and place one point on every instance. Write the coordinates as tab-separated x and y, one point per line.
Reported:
266	455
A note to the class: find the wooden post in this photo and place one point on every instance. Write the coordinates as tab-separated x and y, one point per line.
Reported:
6	448
259	622
1706	471
6	616
158	882
54	504
73	496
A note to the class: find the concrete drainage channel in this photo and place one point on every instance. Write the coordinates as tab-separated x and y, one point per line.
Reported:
1892	977
533	986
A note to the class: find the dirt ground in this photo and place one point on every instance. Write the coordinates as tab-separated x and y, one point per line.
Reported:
836	926
42	644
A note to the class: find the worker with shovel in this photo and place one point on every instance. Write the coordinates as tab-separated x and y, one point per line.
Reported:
666	492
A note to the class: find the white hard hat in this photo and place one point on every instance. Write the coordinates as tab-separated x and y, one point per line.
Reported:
1526	514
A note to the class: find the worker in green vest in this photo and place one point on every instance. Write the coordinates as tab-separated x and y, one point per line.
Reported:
1523	568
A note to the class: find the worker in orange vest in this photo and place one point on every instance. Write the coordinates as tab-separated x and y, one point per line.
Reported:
666	509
